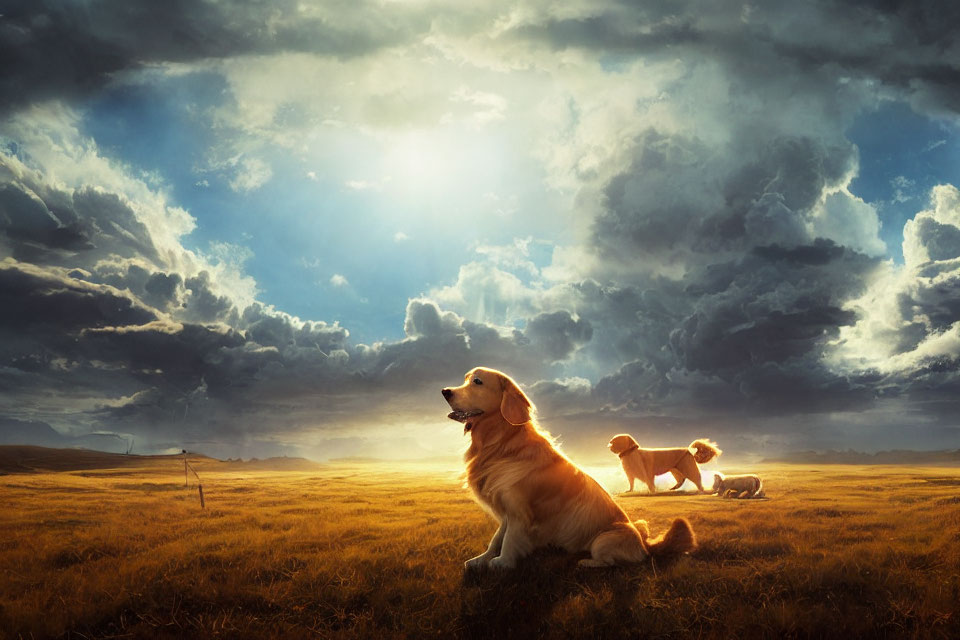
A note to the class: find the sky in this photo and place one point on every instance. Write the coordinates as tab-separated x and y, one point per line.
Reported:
279	228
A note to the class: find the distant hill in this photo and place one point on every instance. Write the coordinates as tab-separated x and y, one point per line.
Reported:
858	457
28	459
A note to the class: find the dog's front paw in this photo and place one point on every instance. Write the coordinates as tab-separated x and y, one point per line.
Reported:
500	563
479	562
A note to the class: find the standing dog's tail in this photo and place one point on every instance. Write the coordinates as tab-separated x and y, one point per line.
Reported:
679	538
706	450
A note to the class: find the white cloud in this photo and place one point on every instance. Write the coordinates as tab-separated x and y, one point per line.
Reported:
903	316
514	256
486	293
362	185
338	280
920	235
935	345
490	107
847	220
903	189
251	174
234	255
400	236
501	206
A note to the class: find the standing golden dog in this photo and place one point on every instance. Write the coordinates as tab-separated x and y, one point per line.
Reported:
647	464
537	495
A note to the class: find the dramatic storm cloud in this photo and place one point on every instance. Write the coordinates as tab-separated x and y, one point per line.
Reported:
255	228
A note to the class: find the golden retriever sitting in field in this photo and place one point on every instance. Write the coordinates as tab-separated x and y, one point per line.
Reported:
745	486
647	464
537	495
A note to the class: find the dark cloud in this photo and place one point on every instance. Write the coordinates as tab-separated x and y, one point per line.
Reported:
936	301
38	300
32	227
558	334
906	47
774	304
62	50
942	241
41	223
682	201
38	433
204	305
232	384
557	398
745	328
176	356
272	329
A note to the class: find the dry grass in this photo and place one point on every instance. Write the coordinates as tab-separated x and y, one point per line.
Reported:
352	551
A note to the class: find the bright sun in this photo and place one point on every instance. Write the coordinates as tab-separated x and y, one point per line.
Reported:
441	161
419	161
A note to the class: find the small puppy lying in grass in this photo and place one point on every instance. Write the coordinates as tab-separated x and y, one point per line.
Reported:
646	464
537	495
745	486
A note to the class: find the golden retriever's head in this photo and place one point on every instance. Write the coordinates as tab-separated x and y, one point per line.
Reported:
621	442
485	392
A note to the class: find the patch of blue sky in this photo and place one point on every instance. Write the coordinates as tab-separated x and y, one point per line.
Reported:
347	231
157	125
902	156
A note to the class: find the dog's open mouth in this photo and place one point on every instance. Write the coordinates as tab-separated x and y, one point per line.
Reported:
462	415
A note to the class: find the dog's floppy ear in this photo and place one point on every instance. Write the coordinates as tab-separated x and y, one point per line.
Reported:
515	407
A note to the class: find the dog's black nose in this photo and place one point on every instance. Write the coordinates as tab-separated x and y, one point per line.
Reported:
447	393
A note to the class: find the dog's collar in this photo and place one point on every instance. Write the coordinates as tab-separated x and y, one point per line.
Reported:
630	450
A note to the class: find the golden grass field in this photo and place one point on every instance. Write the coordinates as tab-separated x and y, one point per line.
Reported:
376	551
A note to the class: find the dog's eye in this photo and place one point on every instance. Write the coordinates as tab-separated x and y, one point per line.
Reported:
477	381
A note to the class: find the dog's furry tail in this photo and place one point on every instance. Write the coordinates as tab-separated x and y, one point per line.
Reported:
679	538
706	450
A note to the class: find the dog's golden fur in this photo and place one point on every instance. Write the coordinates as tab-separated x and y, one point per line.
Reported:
745	486
539	497
646	464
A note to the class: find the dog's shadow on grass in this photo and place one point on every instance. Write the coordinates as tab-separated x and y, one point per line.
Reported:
523	602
